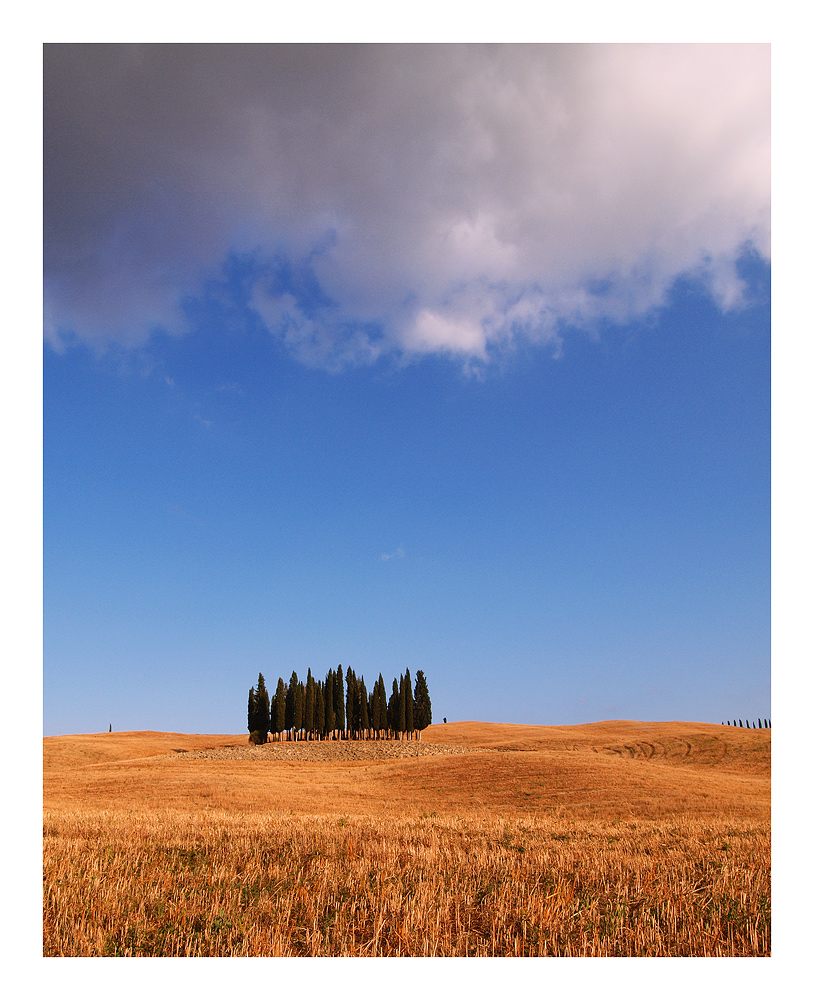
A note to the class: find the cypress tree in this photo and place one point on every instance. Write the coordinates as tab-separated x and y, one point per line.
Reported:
381	706
393	710
291	703
364	719
408	703
261	710
350	702
402	708
329	704
273	716
339	701
423	707
310	693
279	708
299	708
319	709
252	713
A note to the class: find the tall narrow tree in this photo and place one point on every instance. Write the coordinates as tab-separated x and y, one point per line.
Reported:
330	725
351	694
364	719
259	722
339	701
319	709
402	723
279	708
252	712
381	718
310	694
291	703
393	710
423	708
408	704
299	708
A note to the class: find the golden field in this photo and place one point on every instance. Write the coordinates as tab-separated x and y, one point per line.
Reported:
616	838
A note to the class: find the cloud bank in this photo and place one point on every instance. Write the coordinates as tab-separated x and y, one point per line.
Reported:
416	199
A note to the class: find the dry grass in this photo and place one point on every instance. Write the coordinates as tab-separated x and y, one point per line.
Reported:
618	839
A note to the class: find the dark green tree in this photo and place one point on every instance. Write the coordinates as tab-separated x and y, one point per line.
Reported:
364	718
252	712
279	708
351	707
408	703
291	703
299	709
393	709
310	694
380	707
259	711
330	724
422	715
402	718
339	701
319	709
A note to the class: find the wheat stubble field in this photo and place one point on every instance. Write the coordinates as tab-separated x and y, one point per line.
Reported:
616	838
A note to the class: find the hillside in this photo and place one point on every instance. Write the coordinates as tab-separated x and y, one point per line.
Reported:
601	768
616	838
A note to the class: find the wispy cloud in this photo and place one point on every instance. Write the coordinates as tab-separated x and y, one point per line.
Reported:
451	199
398	554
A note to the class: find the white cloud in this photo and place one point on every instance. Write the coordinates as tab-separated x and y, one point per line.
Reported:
459	197
398	554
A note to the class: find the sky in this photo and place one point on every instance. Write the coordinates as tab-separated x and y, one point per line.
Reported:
452	358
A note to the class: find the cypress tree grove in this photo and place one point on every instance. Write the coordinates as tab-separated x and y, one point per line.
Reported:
315	709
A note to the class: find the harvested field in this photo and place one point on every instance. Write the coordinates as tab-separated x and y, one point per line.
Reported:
619	838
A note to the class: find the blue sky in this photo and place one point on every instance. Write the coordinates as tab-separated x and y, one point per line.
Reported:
385	359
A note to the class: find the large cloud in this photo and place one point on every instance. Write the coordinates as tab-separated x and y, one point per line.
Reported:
448	198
